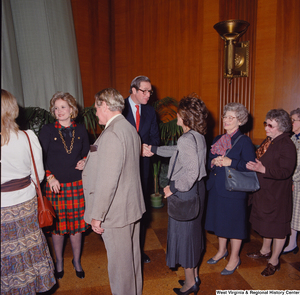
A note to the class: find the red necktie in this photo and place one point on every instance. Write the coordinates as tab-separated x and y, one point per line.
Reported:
137	117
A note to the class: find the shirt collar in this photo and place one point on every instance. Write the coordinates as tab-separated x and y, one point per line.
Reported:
109	121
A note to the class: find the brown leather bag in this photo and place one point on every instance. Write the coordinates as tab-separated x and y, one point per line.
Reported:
45	210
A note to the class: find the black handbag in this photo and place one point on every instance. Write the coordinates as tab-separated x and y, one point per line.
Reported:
240	181
183	209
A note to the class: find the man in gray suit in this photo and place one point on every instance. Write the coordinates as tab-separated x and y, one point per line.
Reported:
114	201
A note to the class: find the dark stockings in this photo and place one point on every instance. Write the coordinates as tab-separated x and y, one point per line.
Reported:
58	244
76	247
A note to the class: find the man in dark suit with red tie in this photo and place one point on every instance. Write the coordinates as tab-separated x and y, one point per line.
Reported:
143	117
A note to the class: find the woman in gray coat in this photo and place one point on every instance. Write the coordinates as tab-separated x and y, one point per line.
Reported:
185	238
295	223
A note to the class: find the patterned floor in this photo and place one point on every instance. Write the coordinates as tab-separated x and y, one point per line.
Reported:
159	279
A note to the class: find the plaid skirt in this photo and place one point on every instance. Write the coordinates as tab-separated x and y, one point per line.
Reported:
69	208
26	264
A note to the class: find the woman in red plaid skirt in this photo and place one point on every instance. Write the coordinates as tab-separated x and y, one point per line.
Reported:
65	146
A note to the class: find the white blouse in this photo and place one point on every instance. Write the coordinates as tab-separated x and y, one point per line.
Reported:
16	163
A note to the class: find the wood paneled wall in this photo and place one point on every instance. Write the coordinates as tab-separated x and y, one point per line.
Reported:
173	43
93	33
277	66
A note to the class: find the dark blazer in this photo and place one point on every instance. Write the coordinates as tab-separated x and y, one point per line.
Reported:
272	205
240	154
56	160
149	134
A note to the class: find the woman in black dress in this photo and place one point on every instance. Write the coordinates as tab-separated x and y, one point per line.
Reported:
65	145
185	238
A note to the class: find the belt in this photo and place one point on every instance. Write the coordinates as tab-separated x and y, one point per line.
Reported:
15	184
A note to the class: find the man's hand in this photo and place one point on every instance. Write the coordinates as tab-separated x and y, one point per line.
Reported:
96	226
146	150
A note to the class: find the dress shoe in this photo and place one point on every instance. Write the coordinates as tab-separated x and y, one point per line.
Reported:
295	251
258	255
145	258
194	289
197	281
79	274
270	269
59	274
212	261
226	272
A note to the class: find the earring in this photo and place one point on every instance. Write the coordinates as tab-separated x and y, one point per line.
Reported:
71	116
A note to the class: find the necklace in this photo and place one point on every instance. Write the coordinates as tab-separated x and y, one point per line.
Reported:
64	142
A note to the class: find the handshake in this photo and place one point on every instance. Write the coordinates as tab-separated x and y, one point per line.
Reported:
146	150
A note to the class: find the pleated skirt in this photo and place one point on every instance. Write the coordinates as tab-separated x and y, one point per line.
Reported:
69	207
26	264
185	239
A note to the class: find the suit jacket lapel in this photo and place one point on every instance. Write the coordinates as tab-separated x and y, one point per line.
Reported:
128	113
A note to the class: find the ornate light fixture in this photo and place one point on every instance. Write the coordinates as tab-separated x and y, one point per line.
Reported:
236	54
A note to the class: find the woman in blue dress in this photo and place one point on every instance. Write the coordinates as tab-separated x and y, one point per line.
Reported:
227	210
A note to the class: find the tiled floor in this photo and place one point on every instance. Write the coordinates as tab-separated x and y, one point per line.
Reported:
159	279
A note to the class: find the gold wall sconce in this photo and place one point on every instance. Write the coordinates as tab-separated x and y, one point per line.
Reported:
236	54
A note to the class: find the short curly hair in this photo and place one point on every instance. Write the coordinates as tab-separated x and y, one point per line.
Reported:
282	118
194	113
65	96
295	112
240	111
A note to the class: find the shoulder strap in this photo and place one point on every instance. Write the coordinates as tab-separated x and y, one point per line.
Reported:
37	185
175	162
234	144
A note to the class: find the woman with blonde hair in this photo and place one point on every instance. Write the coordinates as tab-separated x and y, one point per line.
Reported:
26	264
65	145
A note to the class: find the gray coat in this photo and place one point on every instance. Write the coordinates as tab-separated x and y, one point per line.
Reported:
190	163
111	177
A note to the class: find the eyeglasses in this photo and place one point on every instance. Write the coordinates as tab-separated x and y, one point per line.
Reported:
229	118
294	120
150	91
268	125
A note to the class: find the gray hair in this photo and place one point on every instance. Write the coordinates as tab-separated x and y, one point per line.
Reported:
112	97
295	112
136	82
240	111
282	118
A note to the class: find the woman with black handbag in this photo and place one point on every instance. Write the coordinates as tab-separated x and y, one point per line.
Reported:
227	210
186	172
26	264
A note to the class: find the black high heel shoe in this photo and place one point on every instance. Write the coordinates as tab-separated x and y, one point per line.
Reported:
197	281
79	274
194	289
59	274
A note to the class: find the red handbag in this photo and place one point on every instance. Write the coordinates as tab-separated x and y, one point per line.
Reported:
45	210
